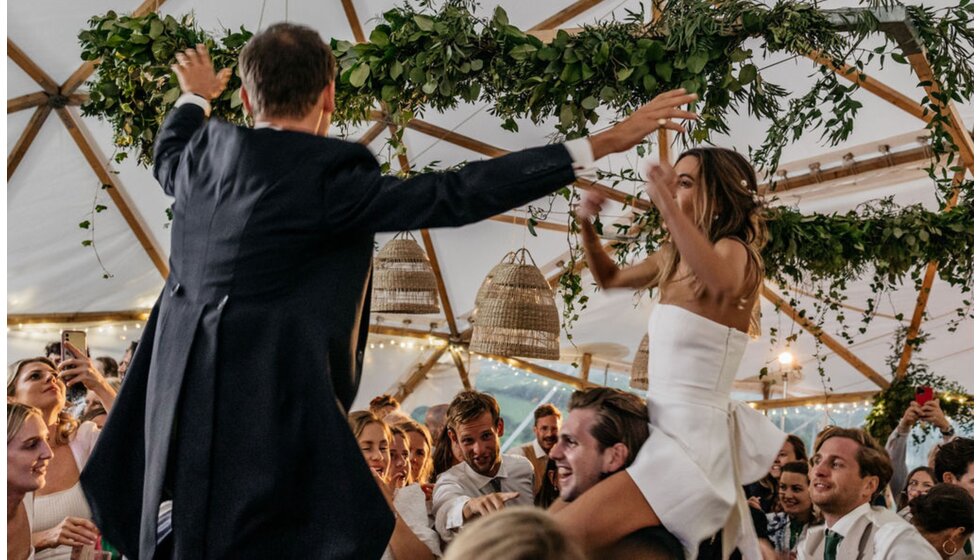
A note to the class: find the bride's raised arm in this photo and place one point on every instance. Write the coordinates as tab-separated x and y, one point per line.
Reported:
605	271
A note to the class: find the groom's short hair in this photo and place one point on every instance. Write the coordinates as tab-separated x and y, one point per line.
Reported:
284	69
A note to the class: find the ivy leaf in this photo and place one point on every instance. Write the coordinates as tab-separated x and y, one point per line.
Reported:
590	103
499	16
649	83
425	23
607	93
86	243
665	70
380	38
360	74
396	70
156	28
85	225
521	52
476	64
623	74
747	74
697	61
573	73
171	95
899	58
100	208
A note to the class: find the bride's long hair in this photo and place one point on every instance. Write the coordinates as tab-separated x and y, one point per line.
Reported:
726	206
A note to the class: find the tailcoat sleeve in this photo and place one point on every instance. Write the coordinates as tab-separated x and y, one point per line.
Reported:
359	199
173	138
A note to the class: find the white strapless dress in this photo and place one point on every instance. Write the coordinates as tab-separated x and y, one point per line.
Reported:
702	447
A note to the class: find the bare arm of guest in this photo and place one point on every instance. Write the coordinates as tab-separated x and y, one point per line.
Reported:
604	269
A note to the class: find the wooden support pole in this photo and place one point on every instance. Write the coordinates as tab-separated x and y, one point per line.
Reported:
26	139
99	164
464	376
961	136
81	317
27	101
33	70
405	389
541	370
565	14
585	366
833	398
825	338
372	133
353	20
920	304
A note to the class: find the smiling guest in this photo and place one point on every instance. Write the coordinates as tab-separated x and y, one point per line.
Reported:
486	480
849	468
28	454
795	513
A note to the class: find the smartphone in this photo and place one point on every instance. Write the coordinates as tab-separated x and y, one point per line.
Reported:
923	395
78	340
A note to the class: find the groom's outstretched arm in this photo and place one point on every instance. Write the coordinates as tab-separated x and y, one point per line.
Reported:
359	199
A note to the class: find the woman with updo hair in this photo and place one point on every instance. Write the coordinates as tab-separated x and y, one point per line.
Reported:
919	482
28	454
944	517
62	519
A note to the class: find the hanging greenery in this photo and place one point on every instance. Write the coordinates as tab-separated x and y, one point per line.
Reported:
422	56
890	404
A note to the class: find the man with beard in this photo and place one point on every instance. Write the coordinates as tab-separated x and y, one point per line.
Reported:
848	469
486	480
602	434
547	422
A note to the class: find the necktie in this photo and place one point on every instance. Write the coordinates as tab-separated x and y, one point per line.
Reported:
495	484
830	544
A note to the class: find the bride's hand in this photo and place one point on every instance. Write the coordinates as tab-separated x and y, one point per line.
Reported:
662	185
590	205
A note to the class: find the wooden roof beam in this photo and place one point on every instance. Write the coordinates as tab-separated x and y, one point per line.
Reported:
961	136
565	14
540	370
354	21
416	377
33	70
99	164
877	163
825	338
832	398
27	101
27	137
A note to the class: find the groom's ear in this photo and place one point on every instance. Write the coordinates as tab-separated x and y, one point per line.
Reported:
328	97
246	102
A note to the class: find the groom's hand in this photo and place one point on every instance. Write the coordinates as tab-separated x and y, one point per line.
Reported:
656	114
196	75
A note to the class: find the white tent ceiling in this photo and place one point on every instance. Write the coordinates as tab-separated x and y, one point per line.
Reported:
48	271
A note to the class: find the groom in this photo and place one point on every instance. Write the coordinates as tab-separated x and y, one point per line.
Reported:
234	405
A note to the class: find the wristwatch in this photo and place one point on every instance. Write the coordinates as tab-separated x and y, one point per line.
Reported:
948	431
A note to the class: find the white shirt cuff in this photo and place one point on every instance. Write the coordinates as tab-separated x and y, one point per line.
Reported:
194	99
583	162
454	519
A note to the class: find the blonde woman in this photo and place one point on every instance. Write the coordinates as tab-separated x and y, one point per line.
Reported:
516	533
28	454
702	448
420	454
62	518
413	538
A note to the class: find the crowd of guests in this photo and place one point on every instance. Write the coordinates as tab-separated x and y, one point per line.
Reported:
456	494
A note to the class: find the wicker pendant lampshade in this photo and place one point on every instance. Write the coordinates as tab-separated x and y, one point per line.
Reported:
481	294
517	315
641	363
403	278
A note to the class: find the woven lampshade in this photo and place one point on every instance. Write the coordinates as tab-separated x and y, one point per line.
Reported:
641	363
517	315
481	294
403	279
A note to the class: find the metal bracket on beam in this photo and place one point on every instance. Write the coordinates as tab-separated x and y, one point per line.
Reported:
894	21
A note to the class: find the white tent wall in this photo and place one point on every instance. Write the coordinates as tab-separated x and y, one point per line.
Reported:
53	190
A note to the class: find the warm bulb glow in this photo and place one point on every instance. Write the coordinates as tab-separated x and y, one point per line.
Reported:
786	358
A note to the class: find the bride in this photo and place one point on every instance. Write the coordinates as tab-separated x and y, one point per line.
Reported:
702	446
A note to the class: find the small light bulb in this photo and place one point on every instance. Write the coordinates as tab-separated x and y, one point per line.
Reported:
786	358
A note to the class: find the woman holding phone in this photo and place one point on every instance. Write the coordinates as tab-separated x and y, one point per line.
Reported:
703	447
62	519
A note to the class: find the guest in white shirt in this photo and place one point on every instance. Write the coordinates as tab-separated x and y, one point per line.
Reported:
486	480
847	471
